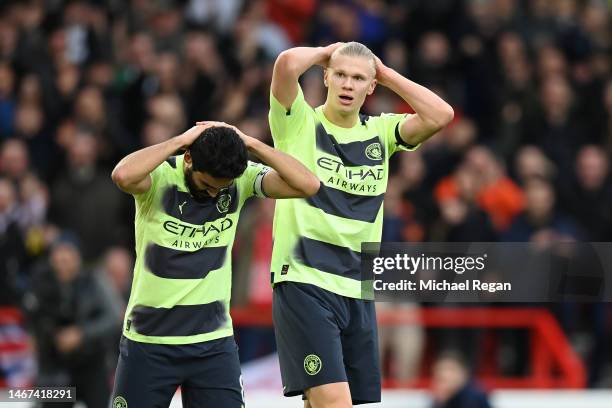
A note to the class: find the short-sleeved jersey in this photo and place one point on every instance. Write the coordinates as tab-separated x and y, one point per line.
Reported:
317	240
182	276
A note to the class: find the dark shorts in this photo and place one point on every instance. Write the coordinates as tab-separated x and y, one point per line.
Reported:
148	374
325	338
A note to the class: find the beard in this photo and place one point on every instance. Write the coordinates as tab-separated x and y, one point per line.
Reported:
199	195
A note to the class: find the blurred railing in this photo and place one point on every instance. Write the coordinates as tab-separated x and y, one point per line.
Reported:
553	362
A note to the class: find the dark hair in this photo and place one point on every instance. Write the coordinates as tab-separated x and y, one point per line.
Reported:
454	356
220	152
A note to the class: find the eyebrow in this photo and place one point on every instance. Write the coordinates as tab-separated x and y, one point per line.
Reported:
354	75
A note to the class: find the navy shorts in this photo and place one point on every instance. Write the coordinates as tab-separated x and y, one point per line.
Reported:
325	338
148	374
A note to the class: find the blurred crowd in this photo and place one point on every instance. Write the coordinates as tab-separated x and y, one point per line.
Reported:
85	82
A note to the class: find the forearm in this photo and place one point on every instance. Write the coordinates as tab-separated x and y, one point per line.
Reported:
292	63
136	166
294	173
432	109
295	61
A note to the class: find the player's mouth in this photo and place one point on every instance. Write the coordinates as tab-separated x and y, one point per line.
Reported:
345	99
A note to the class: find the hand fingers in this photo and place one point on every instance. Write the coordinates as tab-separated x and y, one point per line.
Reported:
204	122
212	123
203	125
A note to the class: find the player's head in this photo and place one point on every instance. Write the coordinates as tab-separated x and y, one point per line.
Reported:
213	161
350	76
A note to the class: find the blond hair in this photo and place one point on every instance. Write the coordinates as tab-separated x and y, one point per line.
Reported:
356	49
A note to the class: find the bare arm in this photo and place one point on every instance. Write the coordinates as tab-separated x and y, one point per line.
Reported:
131	174
289	178
291	64
432	112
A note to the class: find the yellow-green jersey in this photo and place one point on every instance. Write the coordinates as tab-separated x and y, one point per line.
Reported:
182	276
317	240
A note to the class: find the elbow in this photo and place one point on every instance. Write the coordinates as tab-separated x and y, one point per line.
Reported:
118	176
439	120
285	63
313	187
310	188
446	116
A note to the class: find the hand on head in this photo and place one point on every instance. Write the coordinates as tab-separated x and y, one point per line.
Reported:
380	71
329	50
248	140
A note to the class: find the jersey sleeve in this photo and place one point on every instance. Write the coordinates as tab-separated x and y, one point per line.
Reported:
390	123
156	176
251	181
144	200
286	123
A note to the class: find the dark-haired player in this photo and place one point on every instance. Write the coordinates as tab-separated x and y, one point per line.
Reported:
177	329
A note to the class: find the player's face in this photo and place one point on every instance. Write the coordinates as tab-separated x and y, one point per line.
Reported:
349	80
203	186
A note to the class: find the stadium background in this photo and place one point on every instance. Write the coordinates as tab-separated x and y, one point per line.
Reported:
83	83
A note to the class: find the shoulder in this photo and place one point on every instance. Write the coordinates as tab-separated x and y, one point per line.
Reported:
299	105
169	169
170	161
384	122
250	175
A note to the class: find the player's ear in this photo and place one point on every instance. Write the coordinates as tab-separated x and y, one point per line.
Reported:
372	86
187	157
325	73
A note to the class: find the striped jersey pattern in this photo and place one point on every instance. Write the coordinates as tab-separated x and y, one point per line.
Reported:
317	240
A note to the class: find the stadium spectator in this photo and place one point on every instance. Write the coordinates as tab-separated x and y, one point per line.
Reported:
12	248
461	219
117	266
84	199
116	270
14	160
531	162
7	102
589	194
541	220
452	386
408	209
495	193
71	313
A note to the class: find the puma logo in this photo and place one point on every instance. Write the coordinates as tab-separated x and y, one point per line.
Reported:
181	207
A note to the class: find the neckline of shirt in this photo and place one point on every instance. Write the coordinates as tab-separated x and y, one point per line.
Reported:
321	114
